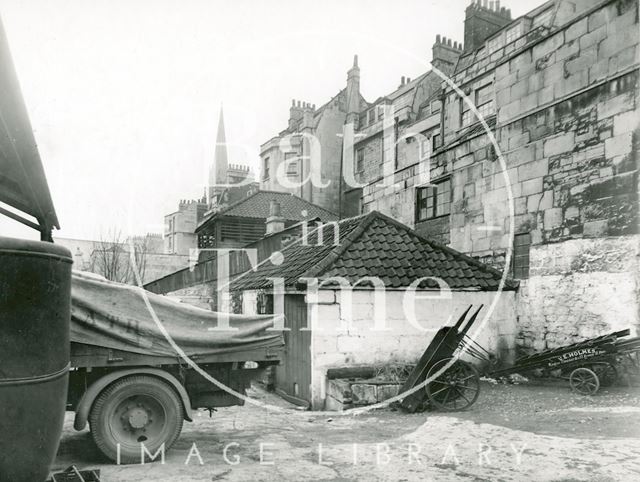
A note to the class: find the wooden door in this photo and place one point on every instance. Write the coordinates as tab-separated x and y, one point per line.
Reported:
293	375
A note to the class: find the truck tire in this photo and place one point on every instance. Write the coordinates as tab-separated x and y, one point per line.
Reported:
134	417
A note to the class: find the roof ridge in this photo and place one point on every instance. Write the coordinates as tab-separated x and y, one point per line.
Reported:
223	210
337	251
251	196
449	250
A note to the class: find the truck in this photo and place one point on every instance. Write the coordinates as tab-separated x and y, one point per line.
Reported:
141	364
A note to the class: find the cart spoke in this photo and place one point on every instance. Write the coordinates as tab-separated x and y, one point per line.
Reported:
441	390
462	395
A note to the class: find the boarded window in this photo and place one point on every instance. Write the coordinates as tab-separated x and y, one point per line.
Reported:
433	201
521	246
514	33
291	164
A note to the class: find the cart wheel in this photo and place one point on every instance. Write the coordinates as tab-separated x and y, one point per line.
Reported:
584	381
455	389
607	373
133	411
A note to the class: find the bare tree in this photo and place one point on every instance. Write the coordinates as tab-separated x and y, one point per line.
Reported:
138	250
118	259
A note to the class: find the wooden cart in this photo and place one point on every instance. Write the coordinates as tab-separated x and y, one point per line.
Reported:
449	383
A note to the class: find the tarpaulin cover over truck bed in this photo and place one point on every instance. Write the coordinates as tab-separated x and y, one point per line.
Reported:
116	316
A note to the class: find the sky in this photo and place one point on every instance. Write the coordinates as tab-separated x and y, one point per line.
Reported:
124	95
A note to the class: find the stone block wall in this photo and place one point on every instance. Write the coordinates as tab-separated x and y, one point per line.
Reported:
568	125
579	289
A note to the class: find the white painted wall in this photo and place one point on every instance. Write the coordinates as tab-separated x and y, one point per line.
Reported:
335	344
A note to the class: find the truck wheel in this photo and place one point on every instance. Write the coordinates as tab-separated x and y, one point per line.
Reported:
133	411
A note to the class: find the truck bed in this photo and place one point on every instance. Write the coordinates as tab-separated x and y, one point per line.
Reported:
85	356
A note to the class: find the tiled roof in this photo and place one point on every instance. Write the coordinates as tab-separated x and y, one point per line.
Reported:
257	206
378	246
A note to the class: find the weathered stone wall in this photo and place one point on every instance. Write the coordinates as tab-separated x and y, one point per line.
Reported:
335	345
579	289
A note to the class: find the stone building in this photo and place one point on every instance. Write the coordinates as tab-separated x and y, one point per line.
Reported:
180	226
236	226
312	133
227	184
335	317
558	89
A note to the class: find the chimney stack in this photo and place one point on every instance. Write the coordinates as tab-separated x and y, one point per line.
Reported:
482	20
445	53
275	221
295	114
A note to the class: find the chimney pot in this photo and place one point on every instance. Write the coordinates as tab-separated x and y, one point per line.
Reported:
274	208
402	80
448	42
497	5
484	3
275	222
438	38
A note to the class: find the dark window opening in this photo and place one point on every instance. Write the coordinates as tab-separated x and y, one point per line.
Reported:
433	201
360	160
521	248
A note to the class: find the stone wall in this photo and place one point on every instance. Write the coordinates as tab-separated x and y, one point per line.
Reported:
579	289
334	344
200	295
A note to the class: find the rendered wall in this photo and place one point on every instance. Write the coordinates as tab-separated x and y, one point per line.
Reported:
334	346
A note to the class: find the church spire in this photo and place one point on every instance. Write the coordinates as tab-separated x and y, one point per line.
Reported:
218	172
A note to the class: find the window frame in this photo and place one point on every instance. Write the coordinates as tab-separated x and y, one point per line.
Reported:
295	172
265	168
436	141
432	200
438	103
359	164
487	107
543	18
465	111
514	33
521	262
